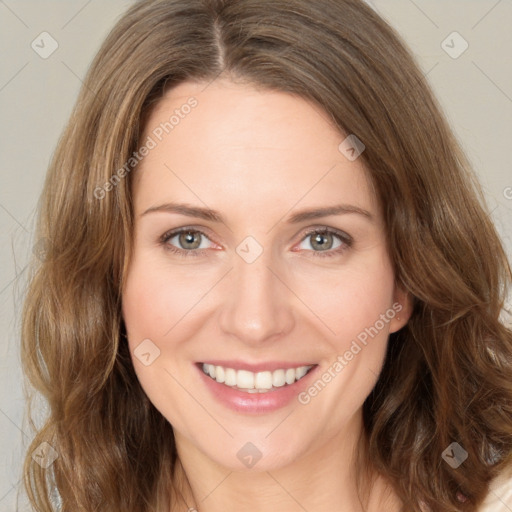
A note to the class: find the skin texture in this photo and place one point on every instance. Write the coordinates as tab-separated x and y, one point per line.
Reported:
258	157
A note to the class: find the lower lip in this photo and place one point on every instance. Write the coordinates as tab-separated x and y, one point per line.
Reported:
256	403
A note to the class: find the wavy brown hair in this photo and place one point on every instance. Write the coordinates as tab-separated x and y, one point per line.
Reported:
448	373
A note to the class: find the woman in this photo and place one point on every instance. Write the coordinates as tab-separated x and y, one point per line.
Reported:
270	280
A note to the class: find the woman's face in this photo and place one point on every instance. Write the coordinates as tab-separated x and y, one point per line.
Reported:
249	289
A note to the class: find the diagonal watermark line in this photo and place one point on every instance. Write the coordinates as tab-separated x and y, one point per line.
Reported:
499	497
489	214
489	194
486	14
2	411
198	301
424	13
229	229
281	422
433	67
425	74
213	79
369	369
300	199
8	284
165	165
104	104
14	76
199	403
13	279
492	81
418	82
75	15
286	491
13	217
215	488
79	78
13	13
9	491
301	300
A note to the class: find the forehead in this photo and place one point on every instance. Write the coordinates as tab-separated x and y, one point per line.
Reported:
245	148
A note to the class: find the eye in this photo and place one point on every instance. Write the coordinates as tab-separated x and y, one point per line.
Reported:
322	242
187	242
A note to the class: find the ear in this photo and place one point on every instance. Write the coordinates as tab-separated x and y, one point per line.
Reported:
402	305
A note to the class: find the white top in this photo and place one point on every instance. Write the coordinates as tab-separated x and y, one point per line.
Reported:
499	498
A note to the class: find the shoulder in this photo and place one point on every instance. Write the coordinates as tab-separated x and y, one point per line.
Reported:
499	498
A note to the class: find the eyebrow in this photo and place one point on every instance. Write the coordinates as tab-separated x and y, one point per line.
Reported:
215	216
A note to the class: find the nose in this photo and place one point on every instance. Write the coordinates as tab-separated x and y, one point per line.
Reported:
259	304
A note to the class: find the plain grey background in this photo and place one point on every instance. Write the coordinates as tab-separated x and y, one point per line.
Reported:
38	89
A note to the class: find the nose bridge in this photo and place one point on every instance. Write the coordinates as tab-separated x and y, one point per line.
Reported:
257	307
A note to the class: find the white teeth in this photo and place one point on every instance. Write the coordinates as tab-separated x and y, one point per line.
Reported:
230	379
278	378
290	376
245	379
219	374
300	372
263	380
251	382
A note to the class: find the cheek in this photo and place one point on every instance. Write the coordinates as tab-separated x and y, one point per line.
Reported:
349	300
343	301
353	305
153	303
156	298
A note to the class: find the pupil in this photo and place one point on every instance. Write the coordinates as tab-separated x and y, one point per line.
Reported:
321	241
189	239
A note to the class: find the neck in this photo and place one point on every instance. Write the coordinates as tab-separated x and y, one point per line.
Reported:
330	478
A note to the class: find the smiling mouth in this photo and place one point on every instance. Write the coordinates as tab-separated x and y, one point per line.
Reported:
255	382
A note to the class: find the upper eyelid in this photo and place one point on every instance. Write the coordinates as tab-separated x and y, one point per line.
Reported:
345	237
174	232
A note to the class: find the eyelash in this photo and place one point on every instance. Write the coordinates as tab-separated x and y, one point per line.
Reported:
344	238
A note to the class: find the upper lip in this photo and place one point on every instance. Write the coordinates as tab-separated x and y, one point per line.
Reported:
256	367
